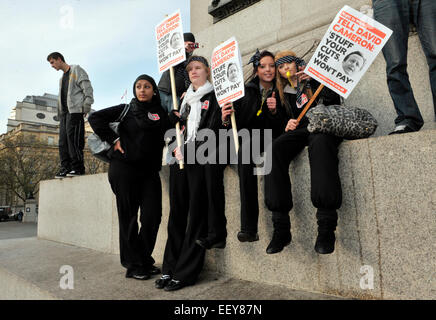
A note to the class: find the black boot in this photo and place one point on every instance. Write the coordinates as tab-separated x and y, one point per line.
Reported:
325	241
282	232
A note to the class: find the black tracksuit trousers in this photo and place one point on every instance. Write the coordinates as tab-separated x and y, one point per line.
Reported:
326	192
248	195
135	188
217	222
187	222
72	141
248	183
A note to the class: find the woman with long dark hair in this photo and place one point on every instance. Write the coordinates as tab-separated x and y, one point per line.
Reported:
254	111
294	91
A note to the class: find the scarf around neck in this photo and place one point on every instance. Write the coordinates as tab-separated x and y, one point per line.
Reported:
192	99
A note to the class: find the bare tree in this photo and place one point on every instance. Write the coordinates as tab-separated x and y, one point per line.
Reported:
24	162
94	165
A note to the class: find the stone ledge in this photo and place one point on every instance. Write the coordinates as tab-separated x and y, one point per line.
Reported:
386	222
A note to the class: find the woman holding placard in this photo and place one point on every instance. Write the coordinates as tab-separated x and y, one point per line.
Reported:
136	159
183	258
254	112
294	90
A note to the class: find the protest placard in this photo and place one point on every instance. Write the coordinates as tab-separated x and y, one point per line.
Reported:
227	74
346	51
171	52
170	43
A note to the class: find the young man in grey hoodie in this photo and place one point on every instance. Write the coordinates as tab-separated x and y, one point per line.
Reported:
74	102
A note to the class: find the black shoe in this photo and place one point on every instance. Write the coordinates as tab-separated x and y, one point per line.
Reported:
278	242
75	173
162	282
174	285
137	274
62	173
154	270
247	236
325	242
402	129
208	244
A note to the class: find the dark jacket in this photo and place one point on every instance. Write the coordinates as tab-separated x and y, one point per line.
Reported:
180	74
141	133
210	118
246	110
290	110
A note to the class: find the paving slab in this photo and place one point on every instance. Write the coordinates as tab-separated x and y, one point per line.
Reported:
31	268
16	229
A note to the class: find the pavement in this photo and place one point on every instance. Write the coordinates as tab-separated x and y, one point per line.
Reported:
32	268
15	229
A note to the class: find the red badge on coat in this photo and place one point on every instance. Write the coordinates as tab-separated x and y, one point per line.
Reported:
304	99
205	105
153	116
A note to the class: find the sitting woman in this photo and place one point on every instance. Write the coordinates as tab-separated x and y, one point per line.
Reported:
136	159
183	258
295	89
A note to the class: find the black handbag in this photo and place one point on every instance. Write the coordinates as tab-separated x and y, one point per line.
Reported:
100	148
341	121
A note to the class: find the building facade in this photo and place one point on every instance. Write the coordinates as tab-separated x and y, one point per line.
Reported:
38	110
37	116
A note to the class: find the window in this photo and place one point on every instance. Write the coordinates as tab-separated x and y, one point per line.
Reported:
40	115
50	140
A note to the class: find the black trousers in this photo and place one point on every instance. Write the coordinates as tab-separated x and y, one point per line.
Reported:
135	188
326	192
248	186
72	141
248	196
217	222
183	258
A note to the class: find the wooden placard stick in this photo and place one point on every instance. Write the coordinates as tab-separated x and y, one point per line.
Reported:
176	107
235	130
317	92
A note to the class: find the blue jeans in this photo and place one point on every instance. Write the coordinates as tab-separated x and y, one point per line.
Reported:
397	15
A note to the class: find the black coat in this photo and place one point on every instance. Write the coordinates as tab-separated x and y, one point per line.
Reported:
289	109
210	119
180	74
141	133
246	110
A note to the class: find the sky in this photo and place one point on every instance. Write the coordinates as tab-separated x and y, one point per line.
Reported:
113	40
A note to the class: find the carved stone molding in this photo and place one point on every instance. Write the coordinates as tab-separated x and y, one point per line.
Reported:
221	9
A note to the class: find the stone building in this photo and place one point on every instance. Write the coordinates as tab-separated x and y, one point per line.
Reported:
37	116
40	110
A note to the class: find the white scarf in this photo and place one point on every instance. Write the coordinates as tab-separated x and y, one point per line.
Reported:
193	99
